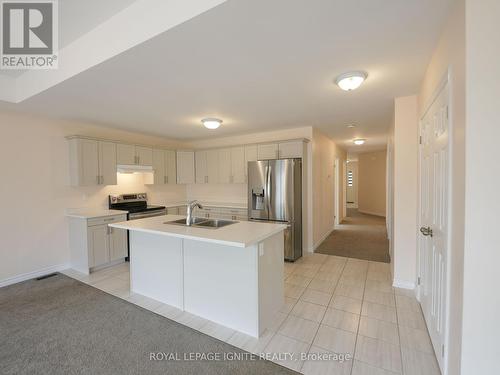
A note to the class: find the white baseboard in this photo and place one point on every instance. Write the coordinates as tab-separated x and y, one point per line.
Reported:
371	213
315	246
32	275
403	284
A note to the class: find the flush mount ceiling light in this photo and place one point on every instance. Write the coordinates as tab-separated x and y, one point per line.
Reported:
350	81
359	141
351	126
211	123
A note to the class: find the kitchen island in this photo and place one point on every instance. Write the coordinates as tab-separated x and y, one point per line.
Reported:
231	275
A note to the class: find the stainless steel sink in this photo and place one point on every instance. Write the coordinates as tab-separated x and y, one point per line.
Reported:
215	223
199	222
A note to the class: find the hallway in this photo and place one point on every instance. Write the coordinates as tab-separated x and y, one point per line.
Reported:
359	236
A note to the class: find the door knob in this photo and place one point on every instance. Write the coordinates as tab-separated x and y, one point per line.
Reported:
426	231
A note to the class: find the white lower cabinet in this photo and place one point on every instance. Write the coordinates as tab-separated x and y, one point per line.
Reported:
94	244
98	245
117	243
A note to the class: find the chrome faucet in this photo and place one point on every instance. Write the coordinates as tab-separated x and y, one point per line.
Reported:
190	207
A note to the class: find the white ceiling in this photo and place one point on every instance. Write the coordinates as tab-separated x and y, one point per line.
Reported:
76	17
259	65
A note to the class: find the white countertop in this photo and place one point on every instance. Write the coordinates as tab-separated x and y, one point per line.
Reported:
241	234
90	213
242	206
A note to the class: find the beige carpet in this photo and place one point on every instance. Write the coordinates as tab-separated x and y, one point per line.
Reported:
61	326
359	236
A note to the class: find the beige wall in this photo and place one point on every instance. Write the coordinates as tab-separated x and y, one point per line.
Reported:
449	59
324	153
372	182
481	302
405	192
36	192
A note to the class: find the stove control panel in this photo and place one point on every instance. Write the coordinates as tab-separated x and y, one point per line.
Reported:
124	198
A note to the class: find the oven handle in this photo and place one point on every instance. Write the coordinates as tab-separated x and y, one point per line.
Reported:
145	215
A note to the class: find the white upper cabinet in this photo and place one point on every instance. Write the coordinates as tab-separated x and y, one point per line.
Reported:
88	172
267	151
134	155
159	169
185	167
292	149
201	167
144	155
238	170
164	167
213	166
107	163
125	154
171	168
250	155
92	162
224	158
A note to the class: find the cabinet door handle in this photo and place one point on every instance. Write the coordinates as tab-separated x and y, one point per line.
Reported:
97	179
277	154
426	231
164	179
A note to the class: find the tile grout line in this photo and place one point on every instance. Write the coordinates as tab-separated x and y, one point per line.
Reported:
399	337
359	323
319	324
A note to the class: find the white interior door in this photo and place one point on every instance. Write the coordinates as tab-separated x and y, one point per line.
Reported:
433	236
336	191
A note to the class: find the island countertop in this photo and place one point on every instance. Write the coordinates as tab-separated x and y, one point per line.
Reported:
240	234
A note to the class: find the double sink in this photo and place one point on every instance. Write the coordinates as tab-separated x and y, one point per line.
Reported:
199	222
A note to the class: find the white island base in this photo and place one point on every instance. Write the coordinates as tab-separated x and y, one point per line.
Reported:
239	287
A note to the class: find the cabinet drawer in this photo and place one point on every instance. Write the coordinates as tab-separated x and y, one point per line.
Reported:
106	220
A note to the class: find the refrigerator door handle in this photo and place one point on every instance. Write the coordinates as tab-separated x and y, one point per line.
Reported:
268	189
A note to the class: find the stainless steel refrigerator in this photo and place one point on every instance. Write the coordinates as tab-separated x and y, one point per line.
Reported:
275	195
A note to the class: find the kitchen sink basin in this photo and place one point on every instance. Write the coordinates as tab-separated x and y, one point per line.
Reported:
215	223
199	222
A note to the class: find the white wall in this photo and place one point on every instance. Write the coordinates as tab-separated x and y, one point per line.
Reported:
324	153
481	301
35	189
223	193
372	182
405	192
449	59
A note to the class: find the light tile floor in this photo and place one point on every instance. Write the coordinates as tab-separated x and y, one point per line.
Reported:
333	305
